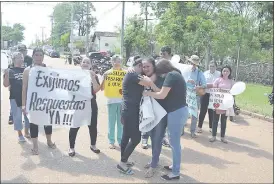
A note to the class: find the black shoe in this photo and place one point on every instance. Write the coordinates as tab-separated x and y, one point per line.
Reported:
97	151
167	168
10	122
71	153
166	177
166	143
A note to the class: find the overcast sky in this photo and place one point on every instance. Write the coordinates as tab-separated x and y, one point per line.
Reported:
35	15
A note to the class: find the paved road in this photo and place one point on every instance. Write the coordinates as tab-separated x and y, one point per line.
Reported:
248	158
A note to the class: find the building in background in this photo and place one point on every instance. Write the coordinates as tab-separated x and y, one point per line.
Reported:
105	41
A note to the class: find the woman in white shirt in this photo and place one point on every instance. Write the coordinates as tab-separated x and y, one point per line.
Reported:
210	75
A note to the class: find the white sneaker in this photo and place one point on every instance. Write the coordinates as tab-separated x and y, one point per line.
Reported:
21	139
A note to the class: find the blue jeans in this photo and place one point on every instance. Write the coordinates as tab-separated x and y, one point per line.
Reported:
156	135
194	120
114	120
17	116
175	124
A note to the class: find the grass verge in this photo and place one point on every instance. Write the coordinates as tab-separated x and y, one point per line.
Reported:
254	99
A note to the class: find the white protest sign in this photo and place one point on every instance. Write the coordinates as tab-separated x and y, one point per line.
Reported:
150	114
191	99
217	96
59	97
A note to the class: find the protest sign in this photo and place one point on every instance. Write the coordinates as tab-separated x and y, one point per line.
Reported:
113	84
191	100
59	97
216	98
150	114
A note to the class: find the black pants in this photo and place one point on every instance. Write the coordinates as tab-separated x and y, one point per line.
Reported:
131	135
92	130
34	130
216	118
204	109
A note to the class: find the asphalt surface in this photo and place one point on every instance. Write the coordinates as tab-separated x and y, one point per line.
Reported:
247	158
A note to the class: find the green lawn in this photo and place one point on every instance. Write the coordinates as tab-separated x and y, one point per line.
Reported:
254	100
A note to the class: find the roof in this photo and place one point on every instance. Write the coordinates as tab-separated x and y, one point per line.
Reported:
104	34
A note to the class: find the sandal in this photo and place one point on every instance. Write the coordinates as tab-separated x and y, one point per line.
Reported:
97	151
35	152
52	145
27	136
130	164
112	146
128	171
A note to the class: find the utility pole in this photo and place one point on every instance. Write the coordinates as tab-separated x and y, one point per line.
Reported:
122	29
52	29
42	35
2	42
72	29
87	29
146	17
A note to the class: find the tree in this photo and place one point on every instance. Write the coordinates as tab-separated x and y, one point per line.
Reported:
14	33
62	19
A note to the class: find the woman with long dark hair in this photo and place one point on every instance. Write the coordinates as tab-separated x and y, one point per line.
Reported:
38	58
86	65
223	82
174	93
157	133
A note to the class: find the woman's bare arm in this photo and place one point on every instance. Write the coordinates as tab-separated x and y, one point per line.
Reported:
25	86
96	85
6	81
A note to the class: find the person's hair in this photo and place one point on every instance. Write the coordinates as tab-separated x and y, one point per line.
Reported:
37	49
152	61
164	66
14	55
213	62
229	68
166	49
115	57
137	60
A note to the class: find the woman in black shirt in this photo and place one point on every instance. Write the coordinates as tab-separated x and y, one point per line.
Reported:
13	79
174	93
86	65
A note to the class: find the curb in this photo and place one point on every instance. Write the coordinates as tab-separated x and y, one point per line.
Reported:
259	116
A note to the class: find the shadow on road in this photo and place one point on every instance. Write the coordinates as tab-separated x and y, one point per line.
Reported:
97	165
195	157
240	120
18	179
234	144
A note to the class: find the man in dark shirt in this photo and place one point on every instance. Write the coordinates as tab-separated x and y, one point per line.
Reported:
132	89
27	59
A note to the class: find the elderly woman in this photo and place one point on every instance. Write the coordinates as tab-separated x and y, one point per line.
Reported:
13	79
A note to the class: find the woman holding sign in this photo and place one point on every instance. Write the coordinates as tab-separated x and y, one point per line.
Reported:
38	57
86	65
174	93
223	82
13	79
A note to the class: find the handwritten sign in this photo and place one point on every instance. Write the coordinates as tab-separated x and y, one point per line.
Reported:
113	84
191	100
216	98
59	97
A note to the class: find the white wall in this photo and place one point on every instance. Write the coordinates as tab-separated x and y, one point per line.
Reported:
113	42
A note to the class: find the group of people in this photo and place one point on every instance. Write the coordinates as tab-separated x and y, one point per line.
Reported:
147	77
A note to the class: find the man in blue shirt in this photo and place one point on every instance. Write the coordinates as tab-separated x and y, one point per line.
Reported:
198	80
